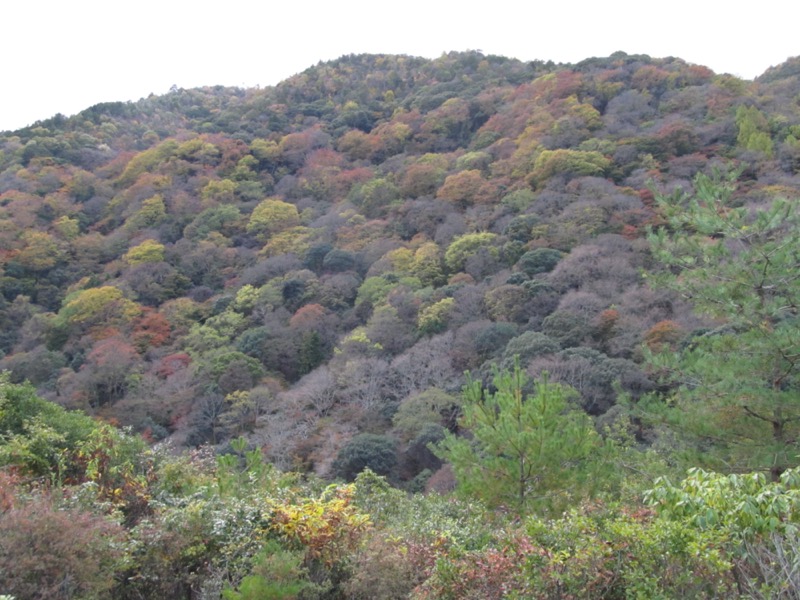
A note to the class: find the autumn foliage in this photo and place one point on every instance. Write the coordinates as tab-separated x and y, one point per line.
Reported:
314	265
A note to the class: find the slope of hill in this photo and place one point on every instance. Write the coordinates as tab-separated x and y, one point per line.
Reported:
323	259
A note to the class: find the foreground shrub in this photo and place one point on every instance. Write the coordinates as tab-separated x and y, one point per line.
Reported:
770	567
390	568
758	517
46	552
617	553
196	544
594	553
433	519
326	528
277	574
479	574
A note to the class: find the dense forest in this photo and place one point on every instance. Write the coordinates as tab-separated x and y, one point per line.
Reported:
405	328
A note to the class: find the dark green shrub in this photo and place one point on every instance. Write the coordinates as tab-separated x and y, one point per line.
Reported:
540	260
367	450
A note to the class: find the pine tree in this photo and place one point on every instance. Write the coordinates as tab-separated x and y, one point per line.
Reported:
738	385
525	452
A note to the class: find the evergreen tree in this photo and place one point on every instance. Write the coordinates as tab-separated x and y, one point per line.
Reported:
524	452
737	393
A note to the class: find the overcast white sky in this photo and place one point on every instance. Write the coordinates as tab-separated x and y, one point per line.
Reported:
66	55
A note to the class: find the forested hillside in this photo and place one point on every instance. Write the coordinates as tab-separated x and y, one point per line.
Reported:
297	279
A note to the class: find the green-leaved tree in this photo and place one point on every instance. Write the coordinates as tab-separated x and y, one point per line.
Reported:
737	393
523	452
